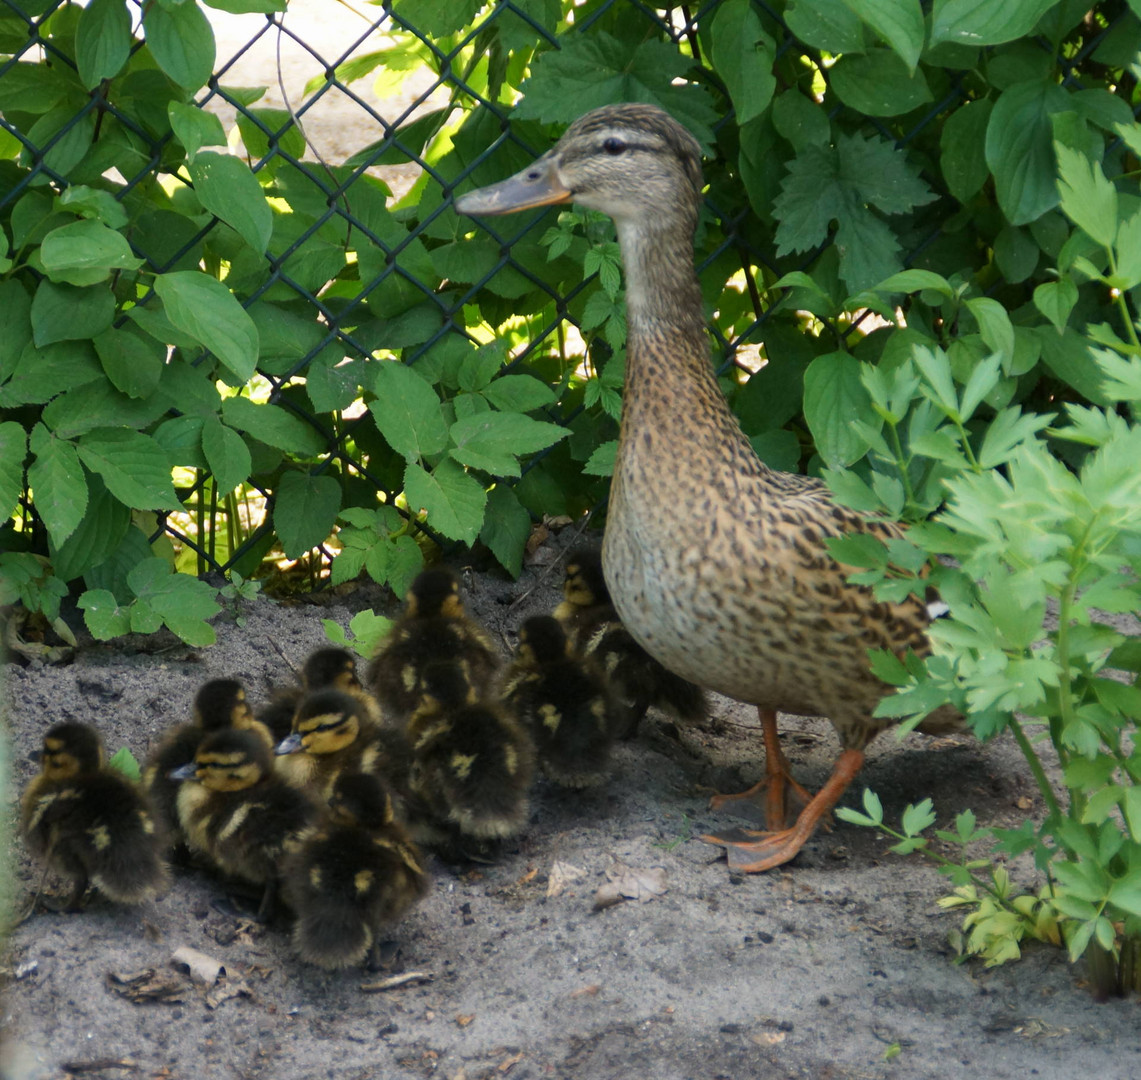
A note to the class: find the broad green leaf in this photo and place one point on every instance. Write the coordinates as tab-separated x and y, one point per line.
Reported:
67	313
918	817
915	281
994	326
85	252
826	24
601	461
59	487
453	501
67	134
983	22
90	202
125	762
181	41
305	511
226	454
13	451
182	602
195	128
273	425
879	83
1016	254
31	87
133	361
493	441
1089	200
506	528
1020	148
833	394
204	308
962	149
437	18
41	374
1128	250
15	325
407	412
98	535
519	393
242	7
227	188
405	561
103	614
898	22
1056	299
743	55
134	467
799	119
102	41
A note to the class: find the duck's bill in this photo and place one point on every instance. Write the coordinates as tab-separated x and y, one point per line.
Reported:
183	772
537	185
289	745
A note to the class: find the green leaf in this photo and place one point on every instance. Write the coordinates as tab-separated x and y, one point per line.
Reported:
305	511
1056	299
58	483
879	83
273	425
182	602
858	549
1020	148
133	361
195	128
13	451
227	188
226	454
493	441
102	41
181	41
125	762
85	252
983	22
1089	200
96	538
407	412
742	54
800	120
242	7
67	313
898	22
994	326
601	461
31	87
519	393
453	501
873	806
104	617
833	394
962	149
134	467
506	528
437	18
204	308
826	24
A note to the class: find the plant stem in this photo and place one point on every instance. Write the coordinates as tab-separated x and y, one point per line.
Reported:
902	465
1035	764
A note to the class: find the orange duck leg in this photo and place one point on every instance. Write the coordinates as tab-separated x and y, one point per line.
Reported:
751	851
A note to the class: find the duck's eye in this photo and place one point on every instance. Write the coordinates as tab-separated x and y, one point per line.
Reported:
614	146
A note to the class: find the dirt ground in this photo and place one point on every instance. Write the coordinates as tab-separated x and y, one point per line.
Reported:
835	966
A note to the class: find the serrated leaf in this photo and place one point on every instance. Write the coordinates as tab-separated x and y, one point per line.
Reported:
182	602
273	425
99	533
506	528
407	412
134	467
305	511
204	308
601	461
58	483
519	393
453	501
13	451
103	615
493	441
227	188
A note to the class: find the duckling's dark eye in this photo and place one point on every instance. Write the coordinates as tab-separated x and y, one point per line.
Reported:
614	146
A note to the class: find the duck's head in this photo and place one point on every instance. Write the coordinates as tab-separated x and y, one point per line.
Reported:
70	749
325	721
634	162
221	703
542	640
332	667
434	592
361	799
446	683
584	585
228	760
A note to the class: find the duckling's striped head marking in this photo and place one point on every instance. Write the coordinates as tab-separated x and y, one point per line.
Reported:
232	760
434	592
221	703
331	667
584	585
70	749
326	721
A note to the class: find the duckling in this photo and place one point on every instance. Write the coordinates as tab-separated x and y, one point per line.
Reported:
636	679
359	872
563	701
219	703
234	810
434	626
330	668
89	823
746	599
472	763
332	734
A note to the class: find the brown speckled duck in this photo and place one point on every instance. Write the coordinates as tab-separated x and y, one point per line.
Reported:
715	562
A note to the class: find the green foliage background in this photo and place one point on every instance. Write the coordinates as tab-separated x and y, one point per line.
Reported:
315	358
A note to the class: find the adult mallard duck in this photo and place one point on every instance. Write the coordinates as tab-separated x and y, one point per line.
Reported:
715	562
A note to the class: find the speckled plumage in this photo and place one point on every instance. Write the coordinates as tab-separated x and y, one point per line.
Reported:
715	562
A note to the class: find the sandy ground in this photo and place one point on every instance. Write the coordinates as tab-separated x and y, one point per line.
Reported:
833	967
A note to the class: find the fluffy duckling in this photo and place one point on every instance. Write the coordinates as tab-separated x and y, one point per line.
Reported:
330	668
472	763
434	626
219	703
564	703
333	734
234	810
357	874
636	679
89	823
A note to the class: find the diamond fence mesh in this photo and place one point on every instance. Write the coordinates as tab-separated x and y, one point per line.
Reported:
301	436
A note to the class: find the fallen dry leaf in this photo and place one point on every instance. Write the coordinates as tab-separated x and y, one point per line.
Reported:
560	876
147	985
628	883
202	969
528	877
225	990
507	1064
